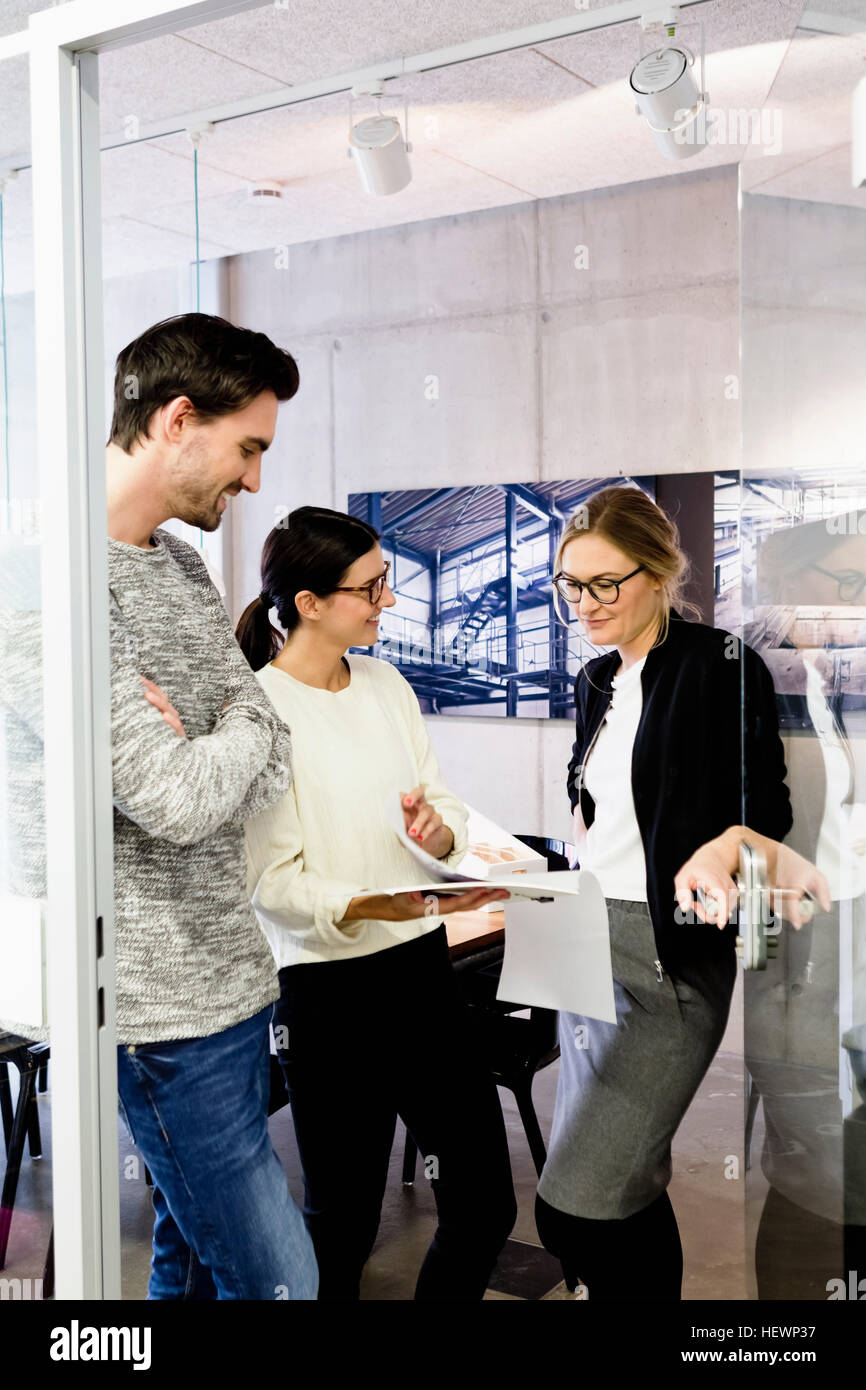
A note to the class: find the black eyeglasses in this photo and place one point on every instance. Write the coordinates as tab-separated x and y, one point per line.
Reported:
851	583
373	590
602	590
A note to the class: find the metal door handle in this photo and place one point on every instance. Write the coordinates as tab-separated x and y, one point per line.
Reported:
760	929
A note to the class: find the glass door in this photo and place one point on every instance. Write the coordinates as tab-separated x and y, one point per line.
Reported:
26	1075
802	520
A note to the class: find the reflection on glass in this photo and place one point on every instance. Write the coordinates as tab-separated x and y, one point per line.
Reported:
805	1029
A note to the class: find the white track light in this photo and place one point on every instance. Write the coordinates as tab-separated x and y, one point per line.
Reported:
670	103
666	94
379	148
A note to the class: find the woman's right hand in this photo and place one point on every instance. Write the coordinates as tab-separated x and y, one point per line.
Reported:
406	907
793	877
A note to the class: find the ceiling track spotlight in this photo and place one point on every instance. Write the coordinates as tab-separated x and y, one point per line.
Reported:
666	95
378	145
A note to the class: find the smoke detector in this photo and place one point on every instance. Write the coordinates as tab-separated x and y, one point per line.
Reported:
268	191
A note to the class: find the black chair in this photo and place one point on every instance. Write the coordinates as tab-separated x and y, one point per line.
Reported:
34	1137
515	1047
30	1058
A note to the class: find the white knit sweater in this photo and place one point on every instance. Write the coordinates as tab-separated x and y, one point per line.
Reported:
328	839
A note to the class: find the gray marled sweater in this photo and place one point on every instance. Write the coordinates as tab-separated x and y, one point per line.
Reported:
191	957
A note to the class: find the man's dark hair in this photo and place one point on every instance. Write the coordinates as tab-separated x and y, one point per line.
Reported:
220	367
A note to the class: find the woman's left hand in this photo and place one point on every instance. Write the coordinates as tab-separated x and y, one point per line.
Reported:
424	824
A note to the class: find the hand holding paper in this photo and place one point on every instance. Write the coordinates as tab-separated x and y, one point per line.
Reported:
397	814
557	942
424	825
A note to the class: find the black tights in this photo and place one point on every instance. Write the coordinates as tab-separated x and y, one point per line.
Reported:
639	1257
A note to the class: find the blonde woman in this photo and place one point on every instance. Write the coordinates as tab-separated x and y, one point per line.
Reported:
656	772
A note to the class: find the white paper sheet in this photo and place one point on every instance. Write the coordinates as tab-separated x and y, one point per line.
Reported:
557	953
557	941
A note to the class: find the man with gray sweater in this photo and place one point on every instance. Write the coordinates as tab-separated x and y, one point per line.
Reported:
197	748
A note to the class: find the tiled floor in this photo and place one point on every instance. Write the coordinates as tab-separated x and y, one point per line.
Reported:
709	1204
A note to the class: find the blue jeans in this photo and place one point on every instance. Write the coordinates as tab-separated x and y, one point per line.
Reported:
226	1226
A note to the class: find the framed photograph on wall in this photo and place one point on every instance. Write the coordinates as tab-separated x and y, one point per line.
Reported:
475	629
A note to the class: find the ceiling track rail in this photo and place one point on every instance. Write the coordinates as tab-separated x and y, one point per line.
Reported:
487	46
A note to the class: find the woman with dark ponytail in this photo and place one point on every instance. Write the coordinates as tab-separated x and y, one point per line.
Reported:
369	1025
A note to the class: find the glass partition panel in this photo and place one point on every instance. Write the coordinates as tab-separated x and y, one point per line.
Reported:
25	1097
802	512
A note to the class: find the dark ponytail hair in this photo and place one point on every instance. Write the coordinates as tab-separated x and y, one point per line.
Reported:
311	548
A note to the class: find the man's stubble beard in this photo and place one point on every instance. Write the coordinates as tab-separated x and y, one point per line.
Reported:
194	501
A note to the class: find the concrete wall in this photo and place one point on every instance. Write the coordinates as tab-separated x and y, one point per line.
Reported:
579	336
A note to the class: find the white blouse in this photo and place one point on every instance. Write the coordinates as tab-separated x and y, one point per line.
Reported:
328	839
613	848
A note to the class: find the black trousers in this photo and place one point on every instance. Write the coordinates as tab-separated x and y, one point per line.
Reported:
638	1257
368	1039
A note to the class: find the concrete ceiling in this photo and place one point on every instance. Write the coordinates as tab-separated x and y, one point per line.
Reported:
534	123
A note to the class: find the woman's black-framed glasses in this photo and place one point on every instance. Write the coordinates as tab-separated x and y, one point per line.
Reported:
602	590
373	590
851	583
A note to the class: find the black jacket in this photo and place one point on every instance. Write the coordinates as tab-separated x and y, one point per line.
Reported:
709	711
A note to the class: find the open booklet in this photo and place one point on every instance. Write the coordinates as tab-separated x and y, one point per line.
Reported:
497	858
557	942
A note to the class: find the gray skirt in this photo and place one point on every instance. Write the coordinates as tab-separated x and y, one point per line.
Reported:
624	1087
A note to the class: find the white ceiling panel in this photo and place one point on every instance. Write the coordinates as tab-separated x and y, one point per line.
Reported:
170	75
812	97
140	178
14	13
531	123
306	39
824	179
